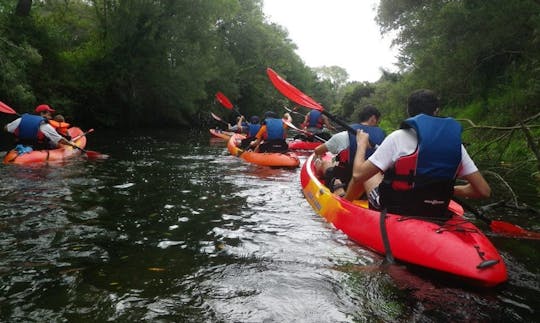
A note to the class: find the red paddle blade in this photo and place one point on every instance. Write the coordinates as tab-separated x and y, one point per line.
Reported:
6	109
513	230
224	100
291	92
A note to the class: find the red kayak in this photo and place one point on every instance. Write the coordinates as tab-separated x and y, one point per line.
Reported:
454	246
303	145
263	159
38	156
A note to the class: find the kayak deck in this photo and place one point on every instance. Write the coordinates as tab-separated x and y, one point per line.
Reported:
455	246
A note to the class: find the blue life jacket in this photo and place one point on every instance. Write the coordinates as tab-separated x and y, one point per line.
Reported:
29	126
253	128
274	129
421	184
315	119
376	137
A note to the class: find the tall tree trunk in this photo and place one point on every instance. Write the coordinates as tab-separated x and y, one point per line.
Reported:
23	8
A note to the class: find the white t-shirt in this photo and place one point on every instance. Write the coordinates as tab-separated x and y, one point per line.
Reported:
45	128
403	142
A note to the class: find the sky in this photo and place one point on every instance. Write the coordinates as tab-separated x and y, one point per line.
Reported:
337	32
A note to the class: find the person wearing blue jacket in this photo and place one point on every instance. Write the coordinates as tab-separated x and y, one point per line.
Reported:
343	144
413	171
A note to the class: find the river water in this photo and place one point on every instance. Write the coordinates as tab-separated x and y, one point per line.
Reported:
171	228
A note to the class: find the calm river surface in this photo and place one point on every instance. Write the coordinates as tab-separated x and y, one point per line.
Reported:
171	228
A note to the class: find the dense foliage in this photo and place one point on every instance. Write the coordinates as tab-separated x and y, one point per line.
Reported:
143	63
132	63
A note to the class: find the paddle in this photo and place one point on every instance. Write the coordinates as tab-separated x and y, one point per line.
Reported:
83	134
293	111
303	131
89	153
7	109
295	95
218	118
501	227
226	102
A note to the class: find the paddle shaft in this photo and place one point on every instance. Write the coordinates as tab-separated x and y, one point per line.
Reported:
303	131
473	210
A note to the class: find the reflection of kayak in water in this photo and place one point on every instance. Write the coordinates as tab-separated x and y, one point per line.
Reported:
454	246
263	159
19	156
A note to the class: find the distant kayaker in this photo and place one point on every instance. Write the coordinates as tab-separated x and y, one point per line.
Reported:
251	130
338	174
318	124
240	125
61	126
35	130
420	162
271	136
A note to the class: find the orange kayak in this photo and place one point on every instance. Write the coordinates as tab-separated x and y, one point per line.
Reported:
216	133
39	156
263	159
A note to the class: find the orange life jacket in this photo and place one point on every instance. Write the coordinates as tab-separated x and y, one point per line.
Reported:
60	127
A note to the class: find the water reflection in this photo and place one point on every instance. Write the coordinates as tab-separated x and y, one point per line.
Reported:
173	228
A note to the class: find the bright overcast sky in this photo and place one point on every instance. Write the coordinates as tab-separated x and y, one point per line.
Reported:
338	32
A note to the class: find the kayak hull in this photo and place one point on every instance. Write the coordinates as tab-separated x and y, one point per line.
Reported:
455	246
216	133
40	156
261	159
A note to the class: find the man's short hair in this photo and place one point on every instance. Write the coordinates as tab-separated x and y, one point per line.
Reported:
422	101
367	112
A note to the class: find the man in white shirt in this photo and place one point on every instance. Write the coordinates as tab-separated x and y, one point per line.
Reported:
368	174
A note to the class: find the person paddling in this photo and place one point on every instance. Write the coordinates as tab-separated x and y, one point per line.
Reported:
251	131
338	174
271	136
318	124
420	162
35	130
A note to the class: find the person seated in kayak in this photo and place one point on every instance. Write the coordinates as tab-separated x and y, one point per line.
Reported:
271	136
61	126
35	130
318	124
251	131
240	125
343	144
420	162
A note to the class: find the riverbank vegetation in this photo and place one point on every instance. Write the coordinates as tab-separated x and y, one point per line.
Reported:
126	64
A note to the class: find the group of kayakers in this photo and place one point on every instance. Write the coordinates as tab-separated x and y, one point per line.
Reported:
412	171
40	131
